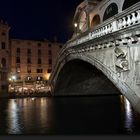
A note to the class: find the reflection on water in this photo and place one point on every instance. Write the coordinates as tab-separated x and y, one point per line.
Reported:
72	115
128	111
13	123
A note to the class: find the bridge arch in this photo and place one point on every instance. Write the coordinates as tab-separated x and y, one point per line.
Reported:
79	77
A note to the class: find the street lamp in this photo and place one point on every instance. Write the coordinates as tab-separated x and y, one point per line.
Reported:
13	77
75	25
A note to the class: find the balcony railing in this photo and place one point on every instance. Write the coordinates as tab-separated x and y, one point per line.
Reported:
125	19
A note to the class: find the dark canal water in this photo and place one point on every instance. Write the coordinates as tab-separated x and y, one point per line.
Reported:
95	115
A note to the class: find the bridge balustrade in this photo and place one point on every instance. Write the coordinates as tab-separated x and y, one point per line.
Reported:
125	19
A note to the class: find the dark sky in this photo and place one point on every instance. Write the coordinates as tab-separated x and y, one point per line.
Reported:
39	19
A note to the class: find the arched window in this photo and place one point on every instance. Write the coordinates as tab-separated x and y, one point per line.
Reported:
3	62
110	11
95	21
128	3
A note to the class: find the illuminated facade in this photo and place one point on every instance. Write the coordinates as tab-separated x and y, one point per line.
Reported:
32	61
25	63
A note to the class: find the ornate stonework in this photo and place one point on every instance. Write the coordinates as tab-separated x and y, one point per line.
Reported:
121	60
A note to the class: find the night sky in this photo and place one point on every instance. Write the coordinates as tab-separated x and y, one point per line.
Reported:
39	19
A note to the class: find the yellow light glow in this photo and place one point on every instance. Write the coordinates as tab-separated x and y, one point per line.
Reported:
47	76
75	25
10	79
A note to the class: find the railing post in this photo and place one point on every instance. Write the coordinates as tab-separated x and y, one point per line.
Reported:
114	25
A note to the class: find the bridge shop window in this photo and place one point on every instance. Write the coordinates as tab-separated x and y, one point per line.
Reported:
128	3
110	11
95	21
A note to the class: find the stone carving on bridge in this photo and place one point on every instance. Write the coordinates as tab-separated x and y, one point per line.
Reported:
121	61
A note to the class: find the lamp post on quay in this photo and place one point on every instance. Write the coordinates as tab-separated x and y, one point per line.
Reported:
13	77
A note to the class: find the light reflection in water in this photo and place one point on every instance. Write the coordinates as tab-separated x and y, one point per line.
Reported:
128	122
28	114
13	123
61	115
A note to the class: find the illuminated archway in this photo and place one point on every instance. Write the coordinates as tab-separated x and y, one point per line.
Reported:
95	21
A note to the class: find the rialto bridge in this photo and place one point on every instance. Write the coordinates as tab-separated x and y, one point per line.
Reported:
103	55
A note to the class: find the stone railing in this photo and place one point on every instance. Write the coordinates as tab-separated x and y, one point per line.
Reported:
125	19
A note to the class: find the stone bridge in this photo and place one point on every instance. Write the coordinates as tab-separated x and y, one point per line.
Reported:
103	56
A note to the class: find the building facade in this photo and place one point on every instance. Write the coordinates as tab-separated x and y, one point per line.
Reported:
25	64
31	62
4	57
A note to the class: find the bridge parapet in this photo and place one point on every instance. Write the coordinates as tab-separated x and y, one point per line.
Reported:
125	19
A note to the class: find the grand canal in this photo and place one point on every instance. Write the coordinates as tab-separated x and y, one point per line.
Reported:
94	115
